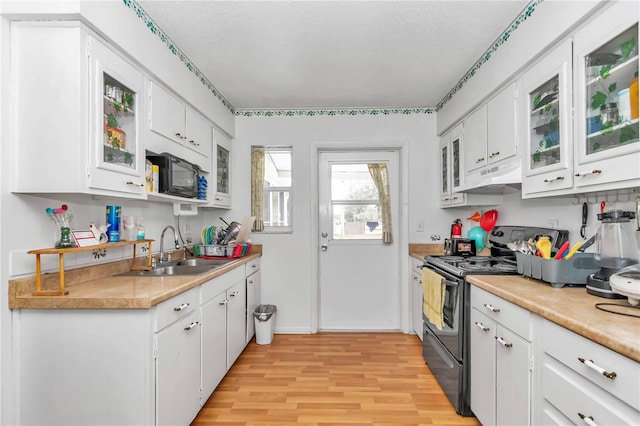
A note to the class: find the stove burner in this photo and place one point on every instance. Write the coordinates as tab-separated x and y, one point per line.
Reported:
474	266
451	258
505	267
477	259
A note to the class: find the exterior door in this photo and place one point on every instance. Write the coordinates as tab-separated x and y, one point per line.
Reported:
359	282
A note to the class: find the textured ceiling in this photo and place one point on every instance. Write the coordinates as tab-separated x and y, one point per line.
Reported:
333	54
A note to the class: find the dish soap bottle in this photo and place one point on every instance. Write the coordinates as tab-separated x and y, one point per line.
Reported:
140	230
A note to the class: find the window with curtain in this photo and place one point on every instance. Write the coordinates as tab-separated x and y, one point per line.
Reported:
271	195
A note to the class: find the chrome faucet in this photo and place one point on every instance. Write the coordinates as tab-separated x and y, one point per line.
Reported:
176	245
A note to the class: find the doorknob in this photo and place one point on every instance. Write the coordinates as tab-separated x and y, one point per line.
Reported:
324	247
324	234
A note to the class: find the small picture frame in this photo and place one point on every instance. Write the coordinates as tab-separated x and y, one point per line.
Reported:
85	238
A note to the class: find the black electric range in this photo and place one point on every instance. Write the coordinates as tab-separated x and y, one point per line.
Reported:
446	349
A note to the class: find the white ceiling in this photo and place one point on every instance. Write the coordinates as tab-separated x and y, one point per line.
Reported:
333	54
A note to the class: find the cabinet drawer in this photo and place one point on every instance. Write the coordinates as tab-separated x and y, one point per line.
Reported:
512	316
175	308
574	396
567	347
211	288
252	267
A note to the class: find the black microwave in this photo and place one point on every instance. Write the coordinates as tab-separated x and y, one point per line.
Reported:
176	176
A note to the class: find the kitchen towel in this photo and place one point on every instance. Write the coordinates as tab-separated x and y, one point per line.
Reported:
433	297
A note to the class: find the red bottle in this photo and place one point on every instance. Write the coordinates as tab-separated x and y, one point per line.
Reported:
456	229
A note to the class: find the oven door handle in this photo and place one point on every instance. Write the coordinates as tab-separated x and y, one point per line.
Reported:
449	283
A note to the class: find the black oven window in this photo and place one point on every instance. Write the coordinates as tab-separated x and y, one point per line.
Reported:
450	302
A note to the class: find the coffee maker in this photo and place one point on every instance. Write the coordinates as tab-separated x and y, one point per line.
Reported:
615	250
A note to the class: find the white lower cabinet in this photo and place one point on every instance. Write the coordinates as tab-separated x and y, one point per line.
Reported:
501	361
178	371
252	272
152	366
415	283
583	382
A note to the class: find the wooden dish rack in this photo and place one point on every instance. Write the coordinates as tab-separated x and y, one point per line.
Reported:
61	252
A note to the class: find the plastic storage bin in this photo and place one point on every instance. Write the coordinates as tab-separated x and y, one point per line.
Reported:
558	273
264	317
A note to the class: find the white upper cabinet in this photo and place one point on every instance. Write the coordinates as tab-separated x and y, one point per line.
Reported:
490	136
78	107
546	128
501	125
451	178
475	140
172	119
606	61
220	188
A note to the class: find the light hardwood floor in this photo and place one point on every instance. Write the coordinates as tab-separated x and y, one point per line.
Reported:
331	379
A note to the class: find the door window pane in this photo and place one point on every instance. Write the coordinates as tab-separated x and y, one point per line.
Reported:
354	203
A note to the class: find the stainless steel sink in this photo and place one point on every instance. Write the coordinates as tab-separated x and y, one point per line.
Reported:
183	267
214	263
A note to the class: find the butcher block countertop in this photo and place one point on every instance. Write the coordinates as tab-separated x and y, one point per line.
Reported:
96	287
572	308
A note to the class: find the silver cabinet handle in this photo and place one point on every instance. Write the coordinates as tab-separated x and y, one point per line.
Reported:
557	178
589	363
481	326
234	294
179	136
194	143
181	307
252	281
255	265
134	184
191	326
494	154
224	302
480	160
587	419
503	343
592	172
491	308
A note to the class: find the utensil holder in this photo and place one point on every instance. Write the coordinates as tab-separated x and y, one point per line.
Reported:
559	272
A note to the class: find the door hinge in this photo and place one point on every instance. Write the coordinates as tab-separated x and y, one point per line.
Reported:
531	363
155	351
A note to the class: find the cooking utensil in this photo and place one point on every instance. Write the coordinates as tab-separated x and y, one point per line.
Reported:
573	250
585	212
602	206
544	245
488	219
587	244
564	248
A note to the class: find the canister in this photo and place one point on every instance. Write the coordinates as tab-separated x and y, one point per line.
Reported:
113	223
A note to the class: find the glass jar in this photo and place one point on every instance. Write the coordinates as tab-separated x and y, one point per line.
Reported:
609	113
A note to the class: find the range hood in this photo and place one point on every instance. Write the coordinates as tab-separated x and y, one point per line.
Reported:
495	179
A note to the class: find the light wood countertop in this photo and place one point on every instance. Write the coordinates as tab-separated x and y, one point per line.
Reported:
572	308
96	287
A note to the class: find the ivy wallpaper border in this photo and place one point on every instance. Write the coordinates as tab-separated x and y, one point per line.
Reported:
292	112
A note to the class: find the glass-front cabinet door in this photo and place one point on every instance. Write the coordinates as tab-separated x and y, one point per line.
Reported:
607	102
546	131
117	163
222	174
445	189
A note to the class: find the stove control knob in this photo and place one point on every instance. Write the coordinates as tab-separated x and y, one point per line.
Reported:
496	233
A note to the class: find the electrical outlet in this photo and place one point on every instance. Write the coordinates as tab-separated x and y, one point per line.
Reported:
189	240
420	226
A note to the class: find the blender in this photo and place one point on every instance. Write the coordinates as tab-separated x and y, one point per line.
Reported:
615	250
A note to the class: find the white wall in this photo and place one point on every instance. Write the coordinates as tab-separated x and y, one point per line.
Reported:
290	260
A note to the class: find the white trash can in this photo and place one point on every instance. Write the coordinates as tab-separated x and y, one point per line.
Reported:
264	317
